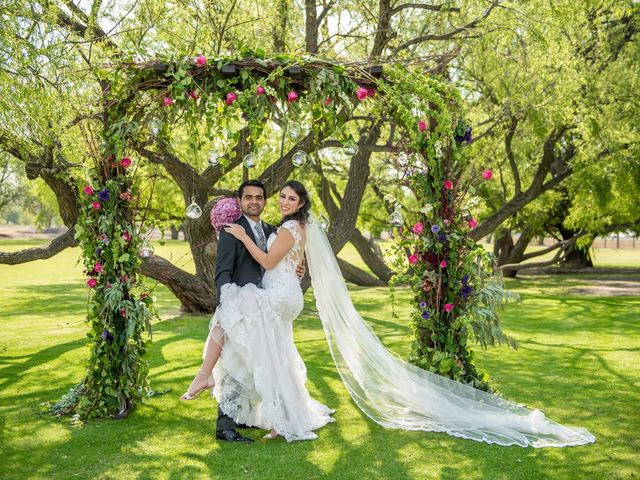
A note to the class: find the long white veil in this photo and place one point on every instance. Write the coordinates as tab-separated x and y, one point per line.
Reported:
397	394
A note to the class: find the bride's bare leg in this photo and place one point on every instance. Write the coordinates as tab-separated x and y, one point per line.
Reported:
204	378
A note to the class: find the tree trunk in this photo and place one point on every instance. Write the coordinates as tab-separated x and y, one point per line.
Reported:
175	233
371	254
194	293
577	257
516	253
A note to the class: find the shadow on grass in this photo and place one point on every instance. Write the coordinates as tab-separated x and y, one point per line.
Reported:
572	382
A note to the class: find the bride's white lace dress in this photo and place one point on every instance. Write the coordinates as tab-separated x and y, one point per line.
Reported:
260	377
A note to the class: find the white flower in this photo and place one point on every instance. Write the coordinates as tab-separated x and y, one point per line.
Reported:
427	209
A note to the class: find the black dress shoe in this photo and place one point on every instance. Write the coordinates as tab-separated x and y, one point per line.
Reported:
232	436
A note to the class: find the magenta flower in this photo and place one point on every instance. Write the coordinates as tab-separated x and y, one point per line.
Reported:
224	212
231	97
413	258
443	264
473	223
98	267
127	236
448	307
95	205
292	96
418	228
422	125
361	93
167	102
487	174
448	185
371	92
123	312
125	162
194	95
327	101
92	282
88	190
260	90
201	60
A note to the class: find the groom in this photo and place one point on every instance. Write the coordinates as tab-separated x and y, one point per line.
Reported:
234	264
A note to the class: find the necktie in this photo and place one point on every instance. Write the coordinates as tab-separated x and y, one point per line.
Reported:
260	238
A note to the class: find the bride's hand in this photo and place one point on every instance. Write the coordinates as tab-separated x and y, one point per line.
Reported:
236	230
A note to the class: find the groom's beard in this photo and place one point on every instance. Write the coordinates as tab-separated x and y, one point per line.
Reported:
253	212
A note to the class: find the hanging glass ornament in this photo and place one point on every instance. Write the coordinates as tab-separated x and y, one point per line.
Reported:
155	124
293	131
397	220
194	211
249	160
214	157
299	158
324	222
350	148
146	249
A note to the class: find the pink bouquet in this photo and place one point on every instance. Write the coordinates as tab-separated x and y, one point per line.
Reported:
224	212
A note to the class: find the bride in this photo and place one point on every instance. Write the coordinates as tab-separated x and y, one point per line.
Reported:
260	376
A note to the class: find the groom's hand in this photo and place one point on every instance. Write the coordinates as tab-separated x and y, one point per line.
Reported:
300	271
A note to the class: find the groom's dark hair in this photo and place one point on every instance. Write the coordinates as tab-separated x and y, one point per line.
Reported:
252	183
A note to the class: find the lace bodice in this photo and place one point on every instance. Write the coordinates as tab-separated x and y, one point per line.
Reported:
294	256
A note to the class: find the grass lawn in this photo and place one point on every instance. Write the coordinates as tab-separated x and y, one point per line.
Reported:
578	361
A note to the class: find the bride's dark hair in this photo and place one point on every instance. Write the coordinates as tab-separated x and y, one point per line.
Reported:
302	215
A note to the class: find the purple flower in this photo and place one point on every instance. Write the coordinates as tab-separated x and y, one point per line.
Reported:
105	239
107	335
425	315
422	305
435	228
465	279
103	195
442	237
466	291
463	133
224	212
98	252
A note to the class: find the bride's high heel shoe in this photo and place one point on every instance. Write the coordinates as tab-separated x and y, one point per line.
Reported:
209	386
271	435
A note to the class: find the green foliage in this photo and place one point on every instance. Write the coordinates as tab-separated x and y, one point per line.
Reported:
456	294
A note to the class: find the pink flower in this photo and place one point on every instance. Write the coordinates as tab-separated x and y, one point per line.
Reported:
448	307
92	282
418	228
224	212
125	196
125	162
448	185
126	236
361	93
201	60
123	312
327	101
98	267
292	96
371	92
422	125
88	190
487	174
473	223
413	258
231	97
95	205
443	264
260	90
194	95
167	102
446	221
